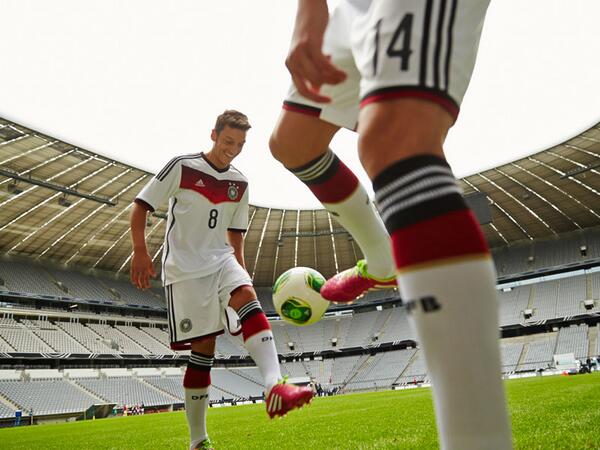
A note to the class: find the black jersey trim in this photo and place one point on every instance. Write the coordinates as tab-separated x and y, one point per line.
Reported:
203	156
144	204
449	49
172	212
425	43
169	292
195	338
240	230
165	171
438	44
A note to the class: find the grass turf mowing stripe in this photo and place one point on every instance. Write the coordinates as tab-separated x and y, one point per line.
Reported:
547	413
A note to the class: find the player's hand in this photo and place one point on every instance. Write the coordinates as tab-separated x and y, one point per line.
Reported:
141	270
309	67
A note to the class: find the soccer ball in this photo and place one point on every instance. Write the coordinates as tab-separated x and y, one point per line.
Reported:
296	296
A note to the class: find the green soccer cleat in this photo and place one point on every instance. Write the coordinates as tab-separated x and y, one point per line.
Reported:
206	444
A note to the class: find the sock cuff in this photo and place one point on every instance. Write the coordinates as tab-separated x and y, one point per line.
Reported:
255	324
416	189
406	166
328	178
249	309
318	169
200	361
195	379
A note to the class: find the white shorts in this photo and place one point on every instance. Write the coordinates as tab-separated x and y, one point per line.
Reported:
392	49
197	308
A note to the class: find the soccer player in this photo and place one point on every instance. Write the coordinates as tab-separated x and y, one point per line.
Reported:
203	269
397	72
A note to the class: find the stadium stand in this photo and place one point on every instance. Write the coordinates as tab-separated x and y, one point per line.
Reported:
512	304
573	339
55	396
232	383
144	340
94	342
538	353
123	343
126	391
81	286
54	337
416	370
28	279
21	338
6	412
510	353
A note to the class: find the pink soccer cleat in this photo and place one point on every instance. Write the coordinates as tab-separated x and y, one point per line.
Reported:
350	284
283	397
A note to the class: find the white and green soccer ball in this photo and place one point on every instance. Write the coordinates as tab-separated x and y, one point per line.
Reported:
296	296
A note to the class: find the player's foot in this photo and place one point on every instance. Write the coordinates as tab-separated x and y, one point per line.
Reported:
204	445
284	397
350	284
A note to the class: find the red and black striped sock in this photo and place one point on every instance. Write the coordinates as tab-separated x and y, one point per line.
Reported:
258	340
425	213
447	280
196	383
197	374
341	193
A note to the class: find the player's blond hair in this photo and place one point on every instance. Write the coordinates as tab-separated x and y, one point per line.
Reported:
233	119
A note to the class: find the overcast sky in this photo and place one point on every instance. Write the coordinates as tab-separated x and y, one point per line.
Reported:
141	81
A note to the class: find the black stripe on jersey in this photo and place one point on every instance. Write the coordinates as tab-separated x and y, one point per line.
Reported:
438	44
425	43
144	204
449	45
172	212
239	230
171	314
165	171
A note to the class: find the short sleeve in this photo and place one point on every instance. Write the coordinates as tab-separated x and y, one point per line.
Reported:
161	187
239	222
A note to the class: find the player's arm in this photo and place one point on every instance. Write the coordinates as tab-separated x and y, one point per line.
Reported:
141	264
236	240
309	67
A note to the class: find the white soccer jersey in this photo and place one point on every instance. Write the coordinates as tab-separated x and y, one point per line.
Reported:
204	202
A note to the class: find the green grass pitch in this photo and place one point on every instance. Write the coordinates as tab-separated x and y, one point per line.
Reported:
547	413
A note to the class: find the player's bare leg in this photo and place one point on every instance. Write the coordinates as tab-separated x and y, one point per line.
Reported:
258	339
301	143
196	383
445	272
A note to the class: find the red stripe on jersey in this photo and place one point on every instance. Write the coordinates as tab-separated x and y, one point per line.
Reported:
256	323
447	236
403	92
338	188
215	190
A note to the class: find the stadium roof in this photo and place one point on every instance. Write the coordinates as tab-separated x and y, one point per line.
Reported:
62	203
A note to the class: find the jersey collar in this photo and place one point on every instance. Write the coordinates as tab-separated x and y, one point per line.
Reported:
212	165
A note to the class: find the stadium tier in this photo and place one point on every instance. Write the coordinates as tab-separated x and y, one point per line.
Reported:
74	390
533	303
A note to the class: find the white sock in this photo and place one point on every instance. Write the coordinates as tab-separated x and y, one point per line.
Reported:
196	406
258	340
358	215
261	347
338	189
469	393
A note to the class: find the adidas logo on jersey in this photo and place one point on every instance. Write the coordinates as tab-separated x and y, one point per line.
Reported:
199	183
